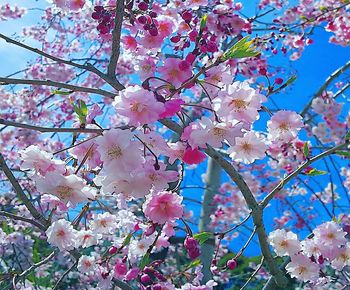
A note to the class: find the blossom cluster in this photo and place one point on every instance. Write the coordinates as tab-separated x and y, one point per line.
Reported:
327	247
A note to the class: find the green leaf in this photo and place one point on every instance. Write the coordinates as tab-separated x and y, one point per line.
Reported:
59	92
343	153
203	237
306	150
83	108
144	261
203	22
290	80
127	240
242	48
193	264
315	172
347	136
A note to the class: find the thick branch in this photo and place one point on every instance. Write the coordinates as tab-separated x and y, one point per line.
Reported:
9	81
284	181
116	39
256	210
20	194
334	75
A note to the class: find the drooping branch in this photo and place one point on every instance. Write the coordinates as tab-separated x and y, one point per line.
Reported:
88	67
20	193
285	180
328	81
20	218
118	20
74	88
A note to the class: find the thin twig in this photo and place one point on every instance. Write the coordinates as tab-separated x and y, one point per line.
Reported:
74	88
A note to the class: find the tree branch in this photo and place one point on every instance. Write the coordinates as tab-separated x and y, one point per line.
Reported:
20	193
74	88
20	218
334	75
89	67
256	210
48	129
118	20
284	181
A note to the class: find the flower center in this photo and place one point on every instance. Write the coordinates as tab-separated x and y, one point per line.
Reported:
246	147
239	104
64	191
115	152
219	132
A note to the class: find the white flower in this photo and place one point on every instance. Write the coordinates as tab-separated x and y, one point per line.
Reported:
103	223
62	234
302	268
248	148
284	243
86	264
88	238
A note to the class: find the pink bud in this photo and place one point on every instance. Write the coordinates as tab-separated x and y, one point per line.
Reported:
231	264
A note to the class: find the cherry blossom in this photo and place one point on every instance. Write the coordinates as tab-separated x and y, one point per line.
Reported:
62	234
248	148
163	207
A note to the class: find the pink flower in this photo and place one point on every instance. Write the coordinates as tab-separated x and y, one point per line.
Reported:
302	268
171	108
193	156
88	238
284	243
42	162
118	152
329	234
120	270
343	258
163	207
138	105
171	72
239	102
87	149
71	189
248	148
70	4
93	112
284	126
86	264
205	131
62	234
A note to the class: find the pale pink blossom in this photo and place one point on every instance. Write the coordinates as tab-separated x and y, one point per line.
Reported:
171	72
163	207
87	151
103	223
302	268
87	238
205	131
62	234
118	151
248	148
329	234
87	264
138	105
70	189
70	4
41	161
343	258
284	243
238	102
284	126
